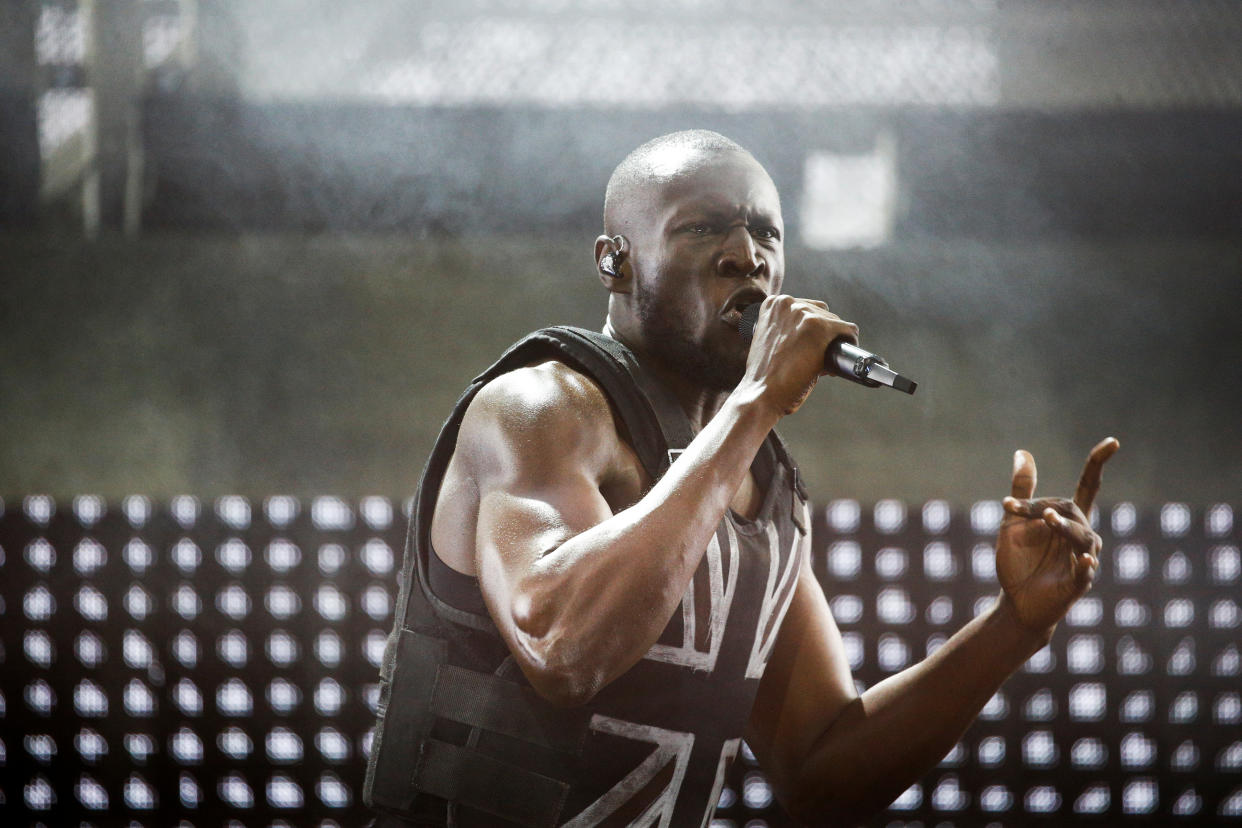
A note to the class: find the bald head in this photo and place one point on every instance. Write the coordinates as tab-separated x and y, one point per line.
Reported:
657	162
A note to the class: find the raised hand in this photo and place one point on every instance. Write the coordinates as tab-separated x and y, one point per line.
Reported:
1046	553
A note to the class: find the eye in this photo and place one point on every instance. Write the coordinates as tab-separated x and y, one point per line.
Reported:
767	233
699	228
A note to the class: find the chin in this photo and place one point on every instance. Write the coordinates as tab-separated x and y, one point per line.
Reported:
720	372
709	361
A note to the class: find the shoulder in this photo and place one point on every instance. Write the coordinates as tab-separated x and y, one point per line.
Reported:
538	396
547	411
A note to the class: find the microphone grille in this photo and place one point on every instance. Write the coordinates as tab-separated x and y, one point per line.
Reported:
746	325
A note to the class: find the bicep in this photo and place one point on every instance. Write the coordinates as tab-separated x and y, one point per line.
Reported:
807	684
538	452
521	526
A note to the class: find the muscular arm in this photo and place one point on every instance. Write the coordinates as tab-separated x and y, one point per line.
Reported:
835	756
580	593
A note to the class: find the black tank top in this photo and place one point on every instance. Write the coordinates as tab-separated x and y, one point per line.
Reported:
653	746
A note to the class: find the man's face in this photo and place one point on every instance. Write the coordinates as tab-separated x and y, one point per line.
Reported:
712	241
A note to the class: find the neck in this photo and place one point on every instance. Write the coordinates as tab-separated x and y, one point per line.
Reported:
699	402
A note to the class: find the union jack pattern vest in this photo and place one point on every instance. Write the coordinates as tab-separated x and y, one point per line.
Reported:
462	738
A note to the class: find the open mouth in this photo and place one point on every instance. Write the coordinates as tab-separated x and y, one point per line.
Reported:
738	302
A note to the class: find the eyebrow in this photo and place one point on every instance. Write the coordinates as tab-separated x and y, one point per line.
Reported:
715	213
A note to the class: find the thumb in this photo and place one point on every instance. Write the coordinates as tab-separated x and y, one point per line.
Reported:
1023	474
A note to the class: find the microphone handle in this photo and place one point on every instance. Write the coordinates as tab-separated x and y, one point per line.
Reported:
843	359
846	360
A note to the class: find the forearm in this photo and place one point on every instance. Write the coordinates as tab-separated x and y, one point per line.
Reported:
886	739
596	602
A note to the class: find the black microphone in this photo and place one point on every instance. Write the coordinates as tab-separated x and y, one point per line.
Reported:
843	358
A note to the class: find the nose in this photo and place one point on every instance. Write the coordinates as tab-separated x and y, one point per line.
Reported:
740	255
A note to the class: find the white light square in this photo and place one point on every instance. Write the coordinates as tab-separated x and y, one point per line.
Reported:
1124	519
1132	659
376	512
1040	707
1087	701
846	609
1219	520
331	514
1086	612
991	751
1140	796
893	606
1088	753
1225	564
1177	569
233	511
233	555
940	610
1085	654
892	654
845	559
1039	750
848	200
844	515
137	509
280	510
891	563
936	516
1094	800
1137	751
986	516
377	557
1131	562
1184	708
889	516
186	555
995	799
1042	799
1174	520
185	510
938	561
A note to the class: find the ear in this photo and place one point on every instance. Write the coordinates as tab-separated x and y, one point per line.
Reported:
612	265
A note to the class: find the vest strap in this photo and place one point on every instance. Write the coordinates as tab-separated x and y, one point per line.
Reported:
498	706
511	793
404	718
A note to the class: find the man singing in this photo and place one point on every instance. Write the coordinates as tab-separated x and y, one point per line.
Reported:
608	582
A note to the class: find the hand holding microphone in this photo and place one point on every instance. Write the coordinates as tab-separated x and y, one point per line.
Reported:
843	359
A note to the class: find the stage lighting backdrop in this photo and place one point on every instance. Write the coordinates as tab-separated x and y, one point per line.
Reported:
215	663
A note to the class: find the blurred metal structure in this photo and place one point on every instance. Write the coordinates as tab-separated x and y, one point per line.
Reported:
88	64
824	72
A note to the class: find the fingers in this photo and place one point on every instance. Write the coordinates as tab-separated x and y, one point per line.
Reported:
1061	515
1023	474
1093	472
830	324
1080	536
1034	508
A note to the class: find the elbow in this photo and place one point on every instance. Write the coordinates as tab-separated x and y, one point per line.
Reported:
562	684
564	691
557	669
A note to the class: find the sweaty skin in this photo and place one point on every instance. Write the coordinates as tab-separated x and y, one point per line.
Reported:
582	561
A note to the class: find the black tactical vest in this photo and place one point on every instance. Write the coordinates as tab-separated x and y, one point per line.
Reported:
462	738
